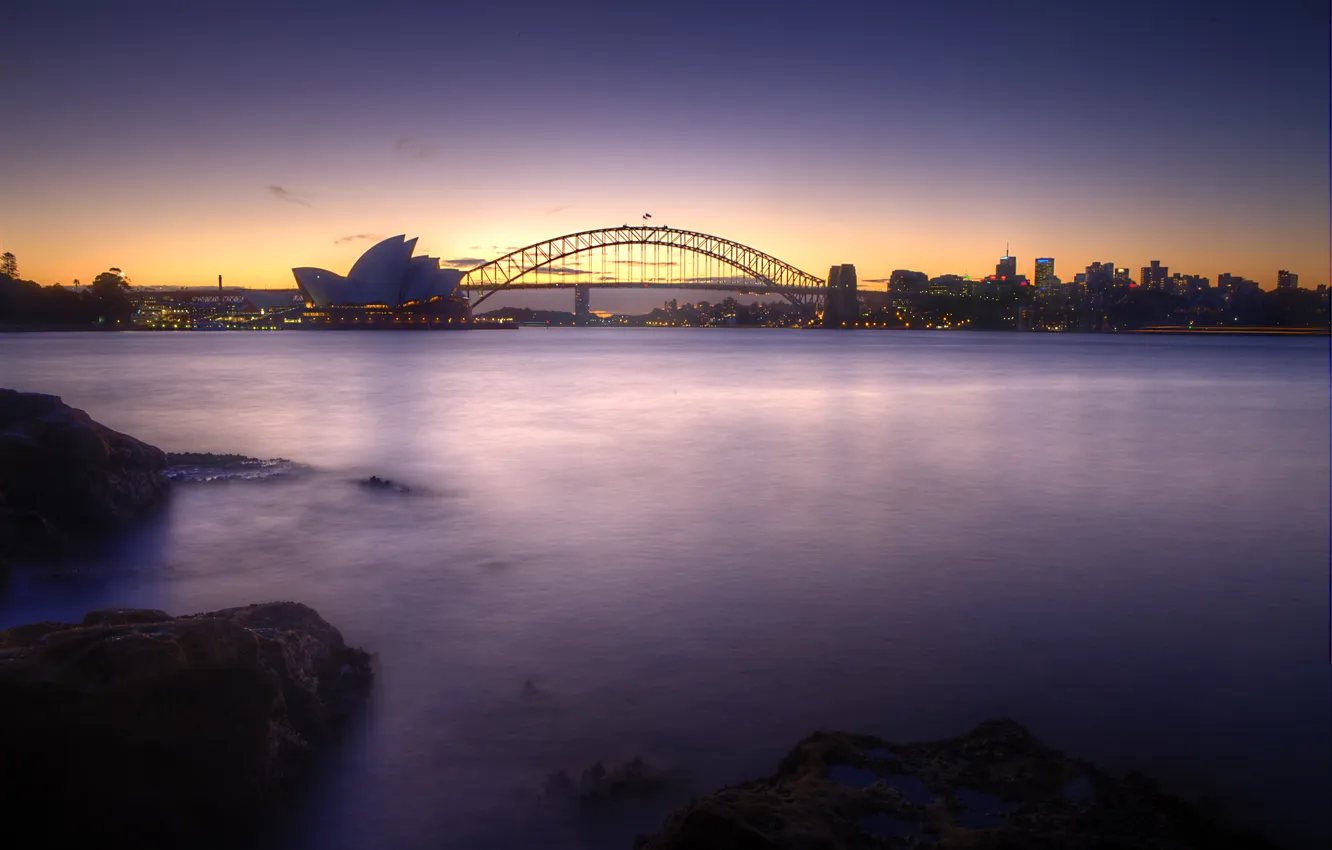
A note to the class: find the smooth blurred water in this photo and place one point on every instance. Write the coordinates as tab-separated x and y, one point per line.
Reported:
700	545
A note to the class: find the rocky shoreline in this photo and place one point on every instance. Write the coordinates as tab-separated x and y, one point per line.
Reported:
161	731
996	787
65	478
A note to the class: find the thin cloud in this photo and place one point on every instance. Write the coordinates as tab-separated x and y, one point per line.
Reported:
283	195
559	209
414	147
356	236
558	270
463	262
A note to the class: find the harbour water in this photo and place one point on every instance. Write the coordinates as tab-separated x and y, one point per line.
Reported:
696	546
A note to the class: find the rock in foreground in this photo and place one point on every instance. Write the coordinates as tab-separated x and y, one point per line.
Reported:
64	476
142	729
997	787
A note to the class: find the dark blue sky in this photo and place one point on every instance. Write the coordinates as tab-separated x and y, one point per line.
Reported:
890	135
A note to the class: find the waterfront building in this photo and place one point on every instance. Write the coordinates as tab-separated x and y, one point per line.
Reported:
386	288
1187	284
905	280
1100	276
1154	276
387	275
1123	273
1007	268
1287	280
947	284
207	308
1233	284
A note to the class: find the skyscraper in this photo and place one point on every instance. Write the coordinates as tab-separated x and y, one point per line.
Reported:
1153	276
1044	272
1287	280
1007	267
1187	284
1100	276
582	304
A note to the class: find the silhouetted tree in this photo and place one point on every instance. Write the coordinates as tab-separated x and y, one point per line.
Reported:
9	265
111	288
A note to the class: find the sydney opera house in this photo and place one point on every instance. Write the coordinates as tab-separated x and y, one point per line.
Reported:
386	286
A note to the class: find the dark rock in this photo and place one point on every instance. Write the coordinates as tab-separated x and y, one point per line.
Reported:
155	731
377	483
209	459
997	787
123	616
64	477
634	778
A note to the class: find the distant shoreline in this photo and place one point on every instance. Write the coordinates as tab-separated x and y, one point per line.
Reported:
1197	331
1218	330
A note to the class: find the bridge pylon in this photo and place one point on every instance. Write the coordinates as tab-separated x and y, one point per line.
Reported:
841	302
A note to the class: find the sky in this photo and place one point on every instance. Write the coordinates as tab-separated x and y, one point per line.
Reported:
180	141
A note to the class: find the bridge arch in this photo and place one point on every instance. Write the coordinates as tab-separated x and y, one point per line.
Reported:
768	273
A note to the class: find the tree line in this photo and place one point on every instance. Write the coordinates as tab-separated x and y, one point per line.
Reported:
104	302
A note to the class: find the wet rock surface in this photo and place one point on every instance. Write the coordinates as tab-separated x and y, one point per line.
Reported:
142	729
65	477
997	787
206	466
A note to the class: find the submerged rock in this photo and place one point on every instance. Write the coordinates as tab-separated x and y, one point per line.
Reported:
64	477
997	787
634	778
143	729
374	482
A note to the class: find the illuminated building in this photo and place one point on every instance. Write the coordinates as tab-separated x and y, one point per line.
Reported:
386	275
1044	273
386	288
1233	284
582	304
1007	268
1154	276
1100	276
1287	280
947	284
1187	284
905	280
207	308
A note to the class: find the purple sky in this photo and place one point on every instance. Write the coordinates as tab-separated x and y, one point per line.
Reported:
180	141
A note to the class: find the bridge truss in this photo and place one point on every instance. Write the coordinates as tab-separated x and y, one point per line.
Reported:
635	256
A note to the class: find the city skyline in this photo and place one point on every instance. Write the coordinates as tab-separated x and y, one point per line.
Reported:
891	138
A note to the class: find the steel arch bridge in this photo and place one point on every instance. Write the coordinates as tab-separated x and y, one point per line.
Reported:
693	261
